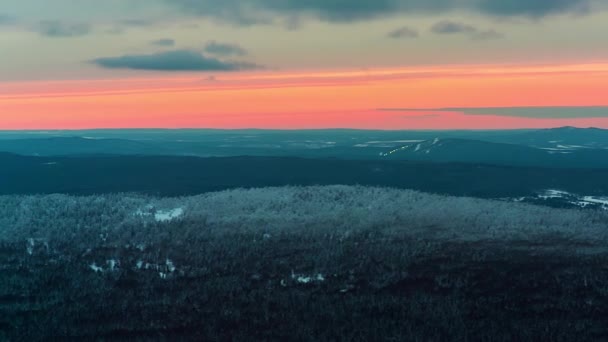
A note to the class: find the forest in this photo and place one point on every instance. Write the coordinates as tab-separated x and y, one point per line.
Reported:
180	176
300	263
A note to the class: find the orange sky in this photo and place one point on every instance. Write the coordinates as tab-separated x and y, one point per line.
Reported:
321	99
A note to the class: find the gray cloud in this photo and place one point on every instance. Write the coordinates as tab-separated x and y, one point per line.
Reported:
6	19
224	49
259	11
136	22
163	42
122	26
56	28
177	60
451	27
447	27
538	112
403	32
520	112
534	8
487	35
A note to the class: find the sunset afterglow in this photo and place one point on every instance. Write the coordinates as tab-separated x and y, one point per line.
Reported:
292	64
379	99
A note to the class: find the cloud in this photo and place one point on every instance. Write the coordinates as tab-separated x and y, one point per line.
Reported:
487	35
451	27
520	112
534	8
136	22
403	32
56	28
447	27
224	49
265	11
163	42
123	25
6	19
177	60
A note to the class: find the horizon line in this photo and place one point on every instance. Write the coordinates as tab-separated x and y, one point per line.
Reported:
285	129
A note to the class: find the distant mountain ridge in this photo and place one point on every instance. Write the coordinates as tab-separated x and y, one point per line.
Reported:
589	137
71	145
557	147
477	151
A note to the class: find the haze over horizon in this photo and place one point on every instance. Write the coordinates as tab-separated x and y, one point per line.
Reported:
398	64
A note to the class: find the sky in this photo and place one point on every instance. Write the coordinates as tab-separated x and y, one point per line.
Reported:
377	64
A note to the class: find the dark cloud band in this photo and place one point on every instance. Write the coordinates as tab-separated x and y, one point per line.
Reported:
520	112
248	12
56	28
177	60
447	27
403	32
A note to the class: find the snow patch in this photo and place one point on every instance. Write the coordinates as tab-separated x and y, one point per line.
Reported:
551	193
95	268
571	147
112	265
394	141
36	245
304	279
596	200
168	215
170	266
146	211
394	151
31	243
575	199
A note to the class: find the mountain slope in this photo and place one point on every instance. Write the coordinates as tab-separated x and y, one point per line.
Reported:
299	264
477	151
573	136
73	145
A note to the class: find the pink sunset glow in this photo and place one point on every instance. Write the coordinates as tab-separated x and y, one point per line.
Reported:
311	99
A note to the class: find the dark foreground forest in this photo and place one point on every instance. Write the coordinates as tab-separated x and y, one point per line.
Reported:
333	263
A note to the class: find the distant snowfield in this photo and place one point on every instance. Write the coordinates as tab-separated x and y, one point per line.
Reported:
598	200
551	193
568	197
395	141
563	149
389	144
